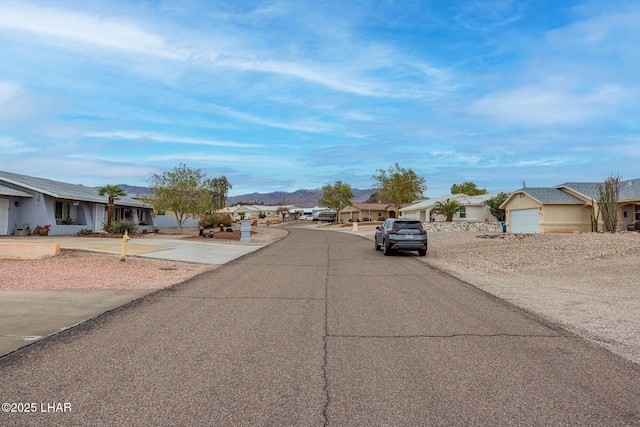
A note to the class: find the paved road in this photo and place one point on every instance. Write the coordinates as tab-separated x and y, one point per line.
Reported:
319	329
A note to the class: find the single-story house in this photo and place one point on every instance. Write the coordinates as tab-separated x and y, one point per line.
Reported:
474	209
567	207
360	211
28	201
254	211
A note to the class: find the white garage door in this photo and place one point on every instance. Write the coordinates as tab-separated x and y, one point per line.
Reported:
4	216
524	221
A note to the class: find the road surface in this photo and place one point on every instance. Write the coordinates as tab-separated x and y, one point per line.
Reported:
318	329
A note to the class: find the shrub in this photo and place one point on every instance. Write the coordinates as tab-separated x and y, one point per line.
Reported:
119	227
85	232
214	220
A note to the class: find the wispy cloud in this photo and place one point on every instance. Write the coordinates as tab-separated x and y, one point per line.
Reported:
161	138
544	105
10	145
224	159
8	91
92	29
308	125
283	92
129	36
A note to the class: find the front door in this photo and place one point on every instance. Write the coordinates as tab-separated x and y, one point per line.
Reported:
99	219
4	216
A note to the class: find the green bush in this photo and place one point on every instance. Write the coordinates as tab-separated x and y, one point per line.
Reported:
85	232
214	220
119	227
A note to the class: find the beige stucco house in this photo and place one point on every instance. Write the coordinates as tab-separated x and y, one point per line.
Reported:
360	211
567	208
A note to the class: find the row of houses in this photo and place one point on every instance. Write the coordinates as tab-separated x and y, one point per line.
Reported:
473	209
565	208
27	201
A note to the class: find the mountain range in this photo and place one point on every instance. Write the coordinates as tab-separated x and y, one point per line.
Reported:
299	198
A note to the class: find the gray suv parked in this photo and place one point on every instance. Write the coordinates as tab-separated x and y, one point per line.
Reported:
401	235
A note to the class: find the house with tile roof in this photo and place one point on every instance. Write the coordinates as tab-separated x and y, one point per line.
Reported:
28	201
567	207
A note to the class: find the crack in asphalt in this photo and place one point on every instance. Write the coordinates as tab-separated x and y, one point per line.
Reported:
449	336
230	298
325	338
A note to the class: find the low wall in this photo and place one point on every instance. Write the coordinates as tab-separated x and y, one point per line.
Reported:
15	250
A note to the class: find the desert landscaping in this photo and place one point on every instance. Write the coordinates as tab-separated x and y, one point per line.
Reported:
584	282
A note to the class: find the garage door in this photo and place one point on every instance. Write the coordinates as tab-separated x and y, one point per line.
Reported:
524	221
4	216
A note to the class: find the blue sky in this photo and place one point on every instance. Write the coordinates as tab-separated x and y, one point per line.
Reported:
281	95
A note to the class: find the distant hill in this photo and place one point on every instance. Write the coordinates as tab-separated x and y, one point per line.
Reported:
299	198
133	190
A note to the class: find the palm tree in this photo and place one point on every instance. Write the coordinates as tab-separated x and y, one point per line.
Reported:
448	208
114	192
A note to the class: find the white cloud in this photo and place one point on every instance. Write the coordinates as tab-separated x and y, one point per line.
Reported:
87	28
259	161
18	104
8	91
545	162
309	125
10	145
610	31
544	105
160	138
344	67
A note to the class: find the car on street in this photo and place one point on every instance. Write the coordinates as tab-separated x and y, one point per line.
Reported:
397	234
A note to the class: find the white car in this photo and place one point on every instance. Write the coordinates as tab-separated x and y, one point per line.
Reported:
306	218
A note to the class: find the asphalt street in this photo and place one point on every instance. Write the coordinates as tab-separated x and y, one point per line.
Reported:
318	329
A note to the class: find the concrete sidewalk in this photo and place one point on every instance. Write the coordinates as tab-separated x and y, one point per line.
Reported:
170	249
27	316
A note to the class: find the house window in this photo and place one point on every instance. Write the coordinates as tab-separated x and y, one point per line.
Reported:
637	212
62	210
142	220
463	213
118	214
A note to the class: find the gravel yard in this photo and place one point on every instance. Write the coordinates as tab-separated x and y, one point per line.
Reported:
74	269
